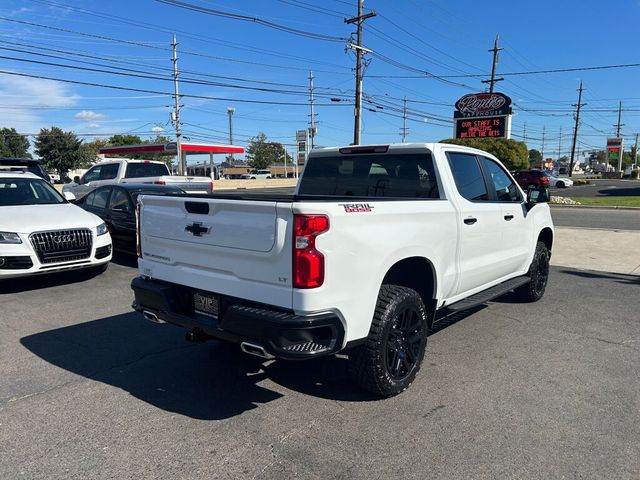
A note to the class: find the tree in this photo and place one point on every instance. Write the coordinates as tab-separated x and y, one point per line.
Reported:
513	154
535	157
59	150
261	154
119	140
12	144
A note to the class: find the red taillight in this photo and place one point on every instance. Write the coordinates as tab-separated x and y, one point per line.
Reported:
159	182
308	263
211	186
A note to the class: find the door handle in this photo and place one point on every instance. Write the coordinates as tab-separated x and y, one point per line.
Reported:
470	220
508	217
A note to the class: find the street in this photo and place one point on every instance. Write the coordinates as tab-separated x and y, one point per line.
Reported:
617	219
609	188
91	389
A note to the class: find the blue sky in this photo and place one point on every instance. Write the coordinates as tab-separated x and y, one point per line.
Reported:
263	72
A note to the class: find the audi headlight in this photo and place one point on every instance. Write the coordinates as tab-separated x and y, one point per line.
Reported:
102	229
9	237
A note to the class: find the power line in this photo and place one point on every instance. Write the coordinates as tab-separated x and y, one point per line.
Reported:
257	20
168	94
155	47
532	72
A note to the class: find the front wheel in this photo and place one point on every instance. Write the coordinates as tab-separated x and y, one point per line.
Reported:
533	290
391	357
560	184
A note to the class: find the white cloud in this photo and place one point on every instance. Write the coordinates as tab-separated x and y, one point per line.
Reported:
93	125
21	95
89	116
157	129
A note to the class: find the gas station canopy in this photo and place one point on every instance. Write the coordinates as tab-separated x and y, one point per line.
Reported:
188	148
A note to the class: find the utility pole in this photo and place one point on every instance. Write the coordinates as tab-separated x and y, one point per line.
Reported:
312	116
182	164
404	120
524	132
559	145
495	51
359	52
578	106
230	111
619	124
542	148
635	153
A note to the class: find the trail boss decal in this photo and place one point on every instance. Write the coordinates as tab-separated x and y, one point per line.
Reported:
356	207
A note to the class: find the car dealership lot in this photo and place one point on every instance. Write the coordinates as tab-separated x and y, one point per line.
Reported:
89	389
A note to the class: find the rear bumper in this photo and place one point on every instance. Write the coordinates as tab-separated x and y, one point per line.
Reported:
281	333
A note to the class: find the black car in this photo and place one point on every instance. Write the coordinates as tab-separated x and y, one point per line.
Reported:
30	164
116	205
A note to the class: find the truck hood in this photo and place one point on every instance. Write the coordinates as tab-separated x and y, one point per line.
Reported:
34	218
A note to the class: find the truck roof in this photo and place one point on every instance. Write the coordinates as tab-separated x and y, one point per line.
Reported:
390	147
127	160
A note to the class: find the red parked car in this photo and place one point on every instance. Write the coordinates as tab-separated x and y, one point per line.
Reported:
532	178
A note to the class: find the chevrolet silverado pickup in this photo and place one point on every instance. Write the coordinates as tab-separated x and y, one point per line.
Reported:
374	240
124	170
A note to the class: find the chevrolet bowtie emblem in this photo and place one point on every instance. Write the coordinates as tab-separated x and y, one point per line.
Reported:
197	229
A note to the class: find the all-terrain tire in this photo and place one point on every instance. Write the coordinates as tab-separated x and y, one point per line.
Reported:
390	359
539	275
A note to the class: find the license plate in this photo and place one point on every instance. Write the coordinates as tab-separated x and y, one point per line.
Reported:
206	303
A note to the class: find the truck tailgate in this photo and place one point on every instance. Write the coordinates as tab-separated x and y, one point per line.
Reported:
232	247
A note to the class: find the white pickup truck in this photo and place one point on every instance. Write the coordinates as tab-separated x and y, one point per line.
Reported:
372	243
124	170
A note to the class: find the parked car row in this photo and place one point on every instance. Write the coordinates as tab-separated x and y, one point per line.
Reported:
42	231
541	178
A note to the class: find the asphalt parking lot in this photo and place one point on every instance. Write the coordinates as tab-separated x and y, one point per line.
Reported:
89	389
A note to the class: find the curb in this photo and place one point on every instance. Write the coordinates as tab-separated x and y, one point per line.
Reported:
593	207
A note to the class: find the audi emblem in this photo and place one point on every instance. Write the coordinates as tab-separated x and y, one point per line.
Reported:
62	238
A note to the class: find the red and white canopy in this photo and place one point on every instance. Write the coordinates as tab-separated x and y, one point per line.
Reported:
188	148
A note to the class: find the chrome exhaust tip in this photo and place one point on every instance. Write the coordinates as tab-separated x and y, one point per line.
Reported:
152	317
254	349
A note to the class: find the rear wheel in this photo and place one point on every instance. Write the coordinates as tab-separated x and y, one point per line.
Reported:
391	357
538	274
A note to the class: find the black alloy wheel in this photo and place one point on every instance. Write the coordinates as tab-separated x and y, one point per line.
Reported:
392	354
404	343
534	289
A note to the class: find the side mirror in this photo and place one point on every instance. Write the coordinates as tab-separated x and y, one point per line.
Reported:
69	197
537	195
76	179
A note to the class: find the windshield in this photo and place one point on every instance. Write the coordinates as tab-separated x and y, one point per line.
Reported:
27	191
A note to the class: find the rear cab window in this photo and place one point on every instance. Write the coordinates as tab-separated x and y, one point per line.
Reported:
143	169
392	175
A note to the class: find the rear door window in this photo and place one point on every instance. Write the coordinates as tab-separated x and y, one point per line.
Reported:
109	171
388	175
468	176
120	201
141	169
101	197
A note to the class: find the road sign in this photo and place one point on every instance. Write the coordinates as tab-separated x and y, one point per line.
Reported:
615	148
